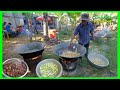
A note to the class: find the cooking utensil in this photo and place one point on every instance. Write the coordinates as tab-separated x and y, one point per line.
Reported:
59	48
92	56
60	68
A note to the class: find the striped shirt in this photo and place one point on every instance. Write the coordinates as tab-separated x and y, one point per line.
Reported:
84	32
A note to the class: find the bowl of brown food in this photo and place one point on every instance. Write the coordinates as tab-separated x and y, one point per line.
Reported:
15	67
97	60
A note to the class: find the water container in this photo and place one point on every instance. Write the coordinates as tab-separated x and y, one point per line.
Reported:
52	33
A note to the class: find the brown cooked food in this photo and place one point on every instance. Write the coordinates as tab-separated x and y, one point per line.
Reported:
14	68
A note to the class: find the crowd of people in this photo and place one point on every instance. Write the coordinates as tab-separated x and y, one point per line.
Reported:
9	31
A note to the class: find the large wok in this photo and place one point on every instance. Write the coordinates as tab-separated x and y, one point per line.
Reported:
30	50
59	48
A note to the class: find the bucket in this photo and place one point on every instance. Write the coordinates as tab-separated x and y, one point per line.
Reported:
52	33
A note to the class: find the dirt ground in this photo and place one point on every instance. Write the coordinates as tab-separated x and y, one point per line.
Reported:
10	44
84	69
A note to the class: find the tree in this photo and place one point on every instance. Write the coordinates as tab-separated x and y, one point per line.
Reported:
28	15
73	18
45	15
59	15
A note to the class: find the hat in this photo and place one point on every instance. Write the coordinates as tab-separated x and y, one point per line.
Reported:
85	17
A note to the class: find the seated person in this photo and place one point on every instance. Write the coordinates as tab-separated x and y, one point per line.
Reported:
4	24
9	29
4	30
19	29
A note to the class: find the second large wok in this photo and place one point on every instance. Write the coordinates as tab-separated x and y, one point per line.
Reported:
59	49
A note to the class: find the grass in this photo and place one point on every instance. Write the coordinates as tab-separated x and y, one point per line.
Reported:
63	36
49	55
106	47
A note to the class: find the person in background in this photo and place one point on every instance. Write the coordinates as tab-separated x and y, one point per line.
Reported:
34	25
4	30
84	29
9	29
19	29
4	24
51	25
26	26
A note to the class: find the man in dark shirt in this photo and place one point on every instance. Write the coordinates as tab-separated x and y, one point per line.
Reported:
83	30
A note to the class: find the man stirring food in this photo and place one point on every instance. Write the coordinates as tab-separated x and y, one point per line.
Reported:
84	29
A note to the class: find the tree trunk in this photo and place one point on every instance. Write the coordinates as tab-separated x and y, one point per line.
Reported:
45	27
46	20
45	23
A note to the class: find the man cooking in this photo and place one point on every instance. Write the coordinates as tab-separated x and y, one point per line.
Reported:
84	29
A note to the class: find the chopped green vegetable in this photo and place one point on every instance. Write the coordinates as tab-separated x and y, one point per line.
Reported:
49	69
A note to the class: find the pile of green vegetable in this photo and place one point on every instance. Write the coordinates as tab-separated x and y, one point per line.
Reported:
49	69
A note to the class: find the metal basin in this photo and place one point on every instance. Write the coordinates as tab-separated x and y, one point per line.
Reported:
43	62
14	63
100	58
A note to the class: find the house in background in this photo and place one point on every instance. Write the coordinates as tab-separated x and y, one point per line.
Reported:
15	19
